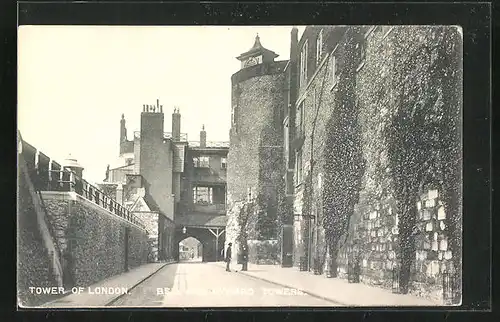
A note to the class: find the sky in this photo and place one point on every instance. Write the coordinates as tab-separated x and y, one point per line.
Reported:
74	83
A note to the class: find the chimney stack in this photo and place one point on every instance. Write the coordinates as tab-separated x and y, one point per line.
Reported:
203	137
176	125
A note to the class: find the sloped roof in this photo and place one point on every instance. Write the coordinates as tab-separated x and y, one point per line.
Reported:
195	219
256	49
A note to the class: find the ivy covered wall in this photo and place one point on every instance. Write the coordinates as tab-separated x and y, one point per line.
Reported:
381	135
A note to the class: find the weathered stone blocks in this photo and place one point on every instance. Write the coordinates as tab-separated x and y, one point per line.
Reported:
92	239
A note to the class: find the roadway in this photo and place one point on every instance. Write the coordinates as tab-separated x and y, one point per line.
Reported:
196	284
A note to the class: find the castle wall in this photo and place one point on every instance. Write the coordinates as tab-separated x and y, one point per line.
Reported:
256	143
375	88
92	239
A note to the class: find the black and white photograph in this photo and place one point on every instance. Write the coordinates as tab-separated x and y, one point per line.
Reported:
239	166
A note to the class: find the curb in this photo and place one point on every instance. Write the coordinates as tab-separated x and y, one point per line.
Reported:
303	291
48	304
288	286
138	283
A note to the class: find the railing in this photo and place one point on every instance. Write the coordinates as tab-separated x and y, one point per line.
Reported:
209	144
166	135
48	175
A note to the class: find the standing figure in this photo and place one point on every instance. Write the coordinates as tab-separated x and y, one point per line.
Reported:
228	257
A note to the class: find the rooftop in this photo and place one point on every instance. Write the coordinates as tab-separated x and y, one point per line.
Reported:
257	49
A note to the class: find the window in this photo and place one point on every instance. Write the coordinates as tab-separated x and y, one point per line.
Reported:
300	119
223	163
201	162
303	65
319	47
333	61
298	166
202	195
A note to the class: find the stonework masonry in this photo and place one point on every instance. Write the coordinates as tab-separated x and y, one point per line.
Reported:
34	266
374	224
257	100
92	240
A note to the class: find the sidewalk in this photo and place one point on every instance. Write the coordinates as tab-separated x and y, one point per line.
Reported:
332	289
115	286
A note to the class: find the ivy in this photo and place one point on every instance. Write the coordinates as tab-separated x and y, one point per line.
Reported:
344	162
423	141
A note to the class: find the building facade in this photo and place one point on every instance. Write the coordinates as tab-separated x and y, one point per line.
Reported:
366	183
147	176
177	187
202	205
376	176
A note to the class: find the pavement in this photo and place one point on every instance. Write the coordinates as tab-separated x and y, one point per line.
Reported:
92	296
196	284
332	289
207	285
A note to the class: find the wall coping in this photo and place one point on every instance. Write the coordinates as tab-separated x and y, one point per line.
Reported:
73	196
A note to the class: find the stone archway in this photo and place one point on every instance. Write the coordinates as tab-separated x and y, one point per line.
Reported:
211	252
190	250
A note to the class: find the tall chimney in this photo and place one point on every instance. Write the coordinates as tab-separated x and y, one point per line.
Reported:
123	133
203	137
176	125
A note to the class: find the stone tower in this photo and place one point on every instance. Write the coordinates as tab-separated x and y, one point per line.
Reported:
255	160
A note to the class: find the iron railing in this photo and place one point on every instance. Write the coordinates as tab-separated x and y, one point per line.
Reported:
48	175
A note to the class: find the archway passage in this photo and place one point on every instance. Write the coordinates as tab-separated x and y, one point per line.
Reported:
190	250
212	240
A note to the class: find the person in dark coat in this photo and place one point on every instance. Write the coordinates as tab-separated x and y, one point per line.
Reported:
228	257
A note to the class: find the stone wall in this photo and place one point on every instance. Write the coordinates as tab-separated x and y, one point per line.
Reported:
34	268
257	99
150	220
378	82
92	239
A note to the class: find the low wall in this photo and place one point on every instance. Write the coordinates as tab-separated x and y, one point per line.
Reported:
263	251
95	244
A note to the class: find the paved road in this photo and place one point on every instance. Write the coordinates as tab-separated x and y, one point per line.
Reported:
195	284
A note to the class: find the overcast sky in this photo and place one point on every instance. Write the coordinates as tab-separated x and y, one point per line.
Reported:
76	81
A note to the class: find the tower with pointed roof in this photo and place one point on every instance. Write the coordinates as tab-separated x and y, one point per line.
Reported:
256	55
255	158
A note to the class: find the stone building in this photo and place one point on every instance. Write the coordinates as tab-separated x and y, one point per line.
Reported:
201	209
372	129
177	188
258	97
146	178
